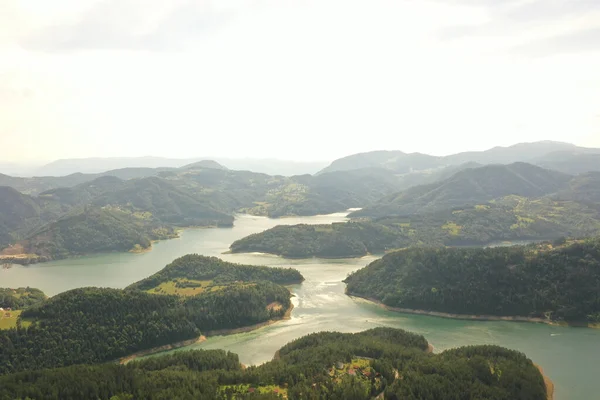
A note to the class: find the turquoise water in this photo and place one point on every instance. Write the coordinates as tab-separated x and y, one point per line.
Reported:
569	356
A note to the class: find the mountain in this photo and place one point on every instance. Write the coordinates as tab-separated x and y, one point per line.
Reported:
204	164
272	166
101	165
402	163
525	152
40	184
396	161
470	187
550	281
571	162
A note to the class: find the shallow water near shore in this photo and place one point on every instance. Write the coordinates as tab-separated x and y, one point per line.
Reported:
568	355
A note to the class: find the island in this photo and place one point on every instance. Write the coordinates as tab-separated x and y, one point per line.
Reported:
549	282
381	362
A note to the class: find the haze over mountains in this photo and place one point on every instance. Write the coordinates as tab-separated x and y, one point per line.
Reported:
99	165
43	218
545	153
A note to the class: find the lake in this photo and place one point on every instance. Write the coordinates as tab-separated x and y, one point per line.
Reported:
569	356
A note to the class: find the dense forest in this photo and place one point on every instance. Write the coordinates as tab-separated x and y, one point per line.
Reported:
507	219
327	365
554	281
93	325
20	298
194	267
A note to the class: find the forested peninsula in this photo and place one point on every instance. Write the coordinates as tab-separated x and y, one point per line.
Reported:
511	218
553	282
191	296
382	361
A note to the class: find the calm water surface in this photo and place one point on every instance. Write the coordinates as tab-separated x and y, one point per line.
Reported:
569	356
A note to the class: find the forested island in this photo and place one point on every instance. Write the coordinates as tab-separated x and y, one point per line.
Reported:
553	282
195	295
328	365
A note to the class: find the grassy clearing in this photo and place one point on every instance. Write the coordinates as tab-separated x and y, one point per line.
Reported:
190	287
10	322
452	228
245	389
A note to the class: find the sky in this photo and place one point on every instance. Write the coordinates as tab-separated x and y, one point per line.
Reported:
294	79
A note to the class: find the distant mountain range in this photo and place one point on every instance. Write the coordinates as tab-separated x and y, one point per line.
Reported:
564	157
64	167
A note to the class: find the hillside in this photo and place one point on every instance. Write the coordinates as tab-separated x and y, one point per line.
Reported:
164	201
90	230
511	218
20	213
327	365
199	272
571	162
542	281
584	188
469	187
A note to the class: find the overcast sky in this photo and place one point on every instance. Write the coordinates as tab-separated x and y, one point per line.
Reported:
294	79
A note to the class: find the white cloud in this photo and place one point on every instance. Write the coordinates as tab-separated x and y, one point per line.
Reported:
295	79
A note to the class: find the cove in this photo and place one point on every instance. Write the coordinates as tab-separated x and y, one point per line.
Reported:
568	355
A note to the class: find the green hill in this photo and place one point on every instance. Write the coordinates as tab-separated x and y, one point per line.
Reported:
555	283
93	230
385	362
470	187
196	271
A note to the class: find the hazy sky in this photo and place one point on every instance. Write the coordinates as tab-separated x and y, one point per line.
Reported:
294	79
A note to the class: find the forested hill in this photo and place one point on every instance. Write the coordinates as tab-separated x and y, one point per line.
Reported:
93	325
196	268
559	283
91	230
507	219
470	187
329	365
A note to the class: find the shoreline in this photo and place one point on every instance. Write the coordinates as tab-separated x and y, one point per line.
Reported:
548	382
470	317
204	337
160	349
